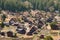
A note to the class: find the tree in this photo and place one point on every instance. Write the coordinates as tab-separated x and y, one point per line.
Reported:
27	5
10	5
3	17
20	5
51	9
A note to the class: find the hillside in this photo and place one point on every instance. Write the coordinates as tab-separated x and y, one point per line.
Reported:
23	5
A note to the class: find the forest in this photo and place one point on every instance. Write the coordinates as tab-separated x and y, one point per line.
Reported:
23	5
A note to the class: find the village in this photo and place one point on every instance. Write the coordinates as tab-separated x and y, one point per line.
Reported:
35	23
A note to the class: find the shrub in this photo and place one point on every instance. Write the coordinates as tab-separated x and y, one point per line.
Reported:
48	38
54	26
2	25
3	17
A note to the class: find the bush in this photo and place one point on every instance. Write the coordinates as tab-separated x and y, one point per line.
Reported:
54	26
48	38
3	17
53	23
2	25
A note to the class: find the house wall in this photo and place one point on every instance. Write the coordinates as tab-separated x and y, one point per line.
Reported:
55	34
